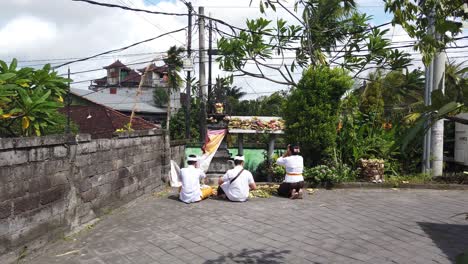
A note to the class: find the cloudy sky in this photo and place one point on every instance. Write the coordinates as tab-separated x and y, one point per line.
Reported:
55	31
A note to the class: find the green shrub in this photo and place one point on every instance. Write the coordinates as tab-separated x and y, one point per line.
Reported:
328	175
263	171
311	114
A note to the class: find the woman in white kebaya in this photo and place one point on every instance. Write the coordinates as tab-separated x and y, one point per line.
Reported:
293	181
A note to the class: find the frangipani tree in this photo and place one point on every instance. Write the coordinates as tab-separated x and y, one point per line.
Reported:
29	99
324	32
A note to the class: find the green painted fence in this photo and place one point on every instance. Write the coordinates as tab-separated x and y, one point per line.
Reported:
253	157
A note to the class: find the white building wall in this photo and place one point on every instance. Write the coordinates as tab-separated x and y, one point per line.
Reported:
461	141
146	95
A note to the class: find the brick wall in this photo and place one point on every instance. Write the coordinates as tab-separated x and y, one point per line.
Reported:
51	186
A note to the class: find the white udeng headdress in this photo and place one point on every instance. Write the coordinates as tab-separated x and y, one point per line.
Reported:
192	159
239	158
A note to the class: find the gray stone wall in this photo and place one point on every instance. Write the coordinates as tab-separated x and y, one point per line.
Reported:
51	186
178	151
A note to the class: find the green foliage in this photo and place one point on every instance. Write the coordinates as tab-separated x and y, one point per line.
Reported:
160	96
420	178
321	27
413	17
441	107
266	171
371	99
262	106
177	125
456	82
61	123
224	92
326	176
311	111
174	63
28	99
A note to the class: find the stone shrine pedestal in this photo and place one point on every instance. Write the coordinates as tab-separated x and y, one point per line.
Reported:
221	161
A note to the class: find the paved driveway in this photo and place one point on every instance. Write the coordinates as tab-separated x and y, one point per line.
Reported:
340	226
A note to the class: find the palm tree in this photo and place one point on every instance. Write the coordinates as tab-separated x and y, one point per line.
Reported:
235	92
174	64
226	93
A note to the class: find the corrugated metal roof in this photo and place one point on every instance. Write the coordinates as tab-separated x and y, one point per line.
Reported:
117	102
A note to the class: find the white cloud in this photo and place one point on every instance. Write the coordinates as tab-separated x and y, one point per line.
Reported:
23	34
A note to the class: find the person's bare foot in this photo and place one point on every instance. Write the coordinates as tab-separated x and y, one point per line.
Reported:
299	194
294	195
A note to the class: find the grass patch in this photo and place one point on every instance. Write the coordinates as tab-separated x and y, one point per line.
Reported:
409	179
164	193
84	230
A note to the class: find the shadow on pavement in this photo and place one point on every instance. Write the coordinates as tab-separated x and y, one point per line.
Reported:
452	239
253	256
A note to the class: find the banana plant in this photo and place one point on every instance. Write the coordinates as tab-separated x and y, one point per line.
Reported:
422	122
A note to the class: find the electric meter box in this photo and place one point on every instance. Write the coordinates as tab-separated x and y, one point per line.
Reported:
461	141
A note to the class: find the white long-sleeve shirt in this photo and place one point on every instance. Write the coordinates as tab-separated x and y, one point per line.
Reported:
190	178
294	165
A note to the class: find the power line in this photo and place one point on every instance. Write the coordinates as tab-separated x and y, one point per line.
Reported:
100	69
232	27
147	20
120	49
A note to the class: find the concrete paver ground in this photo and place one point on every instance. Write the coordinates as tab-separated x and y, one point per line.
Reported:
339	226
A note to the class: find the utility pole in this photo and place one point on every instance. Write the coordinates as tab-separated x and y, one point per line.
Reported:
210	61
433	147
437	133
188	86
426	162
67	129
202	75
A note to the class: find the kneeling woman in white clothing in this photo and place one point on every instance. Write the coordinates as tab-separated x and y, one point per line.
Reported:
293	181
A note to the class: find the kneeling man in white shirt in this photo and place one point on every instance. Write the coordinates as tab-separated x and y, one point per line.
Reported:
236	183
191	191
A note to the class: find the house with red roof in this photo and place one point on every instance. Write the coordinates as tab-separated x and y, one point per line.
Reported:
121	80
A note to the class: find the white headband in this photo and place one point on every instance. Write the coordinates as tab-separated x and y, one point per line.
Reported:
239	158
192	159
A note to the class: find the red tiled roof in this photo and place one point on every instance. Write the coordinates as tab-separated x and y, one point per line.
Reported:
116	64
103	121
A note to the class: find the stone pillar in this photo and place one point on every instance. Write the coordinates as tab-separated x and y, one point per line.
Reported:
271	149
240	144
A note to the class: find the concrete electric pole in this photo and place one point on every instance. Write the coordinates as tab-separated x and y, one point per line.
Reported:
433	146
202	75
188	86
437	133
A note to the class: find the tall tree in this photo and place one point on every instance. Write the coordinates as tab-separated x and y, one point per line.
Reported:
418	19
311	111
174	63
326	32
413	16
227	93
